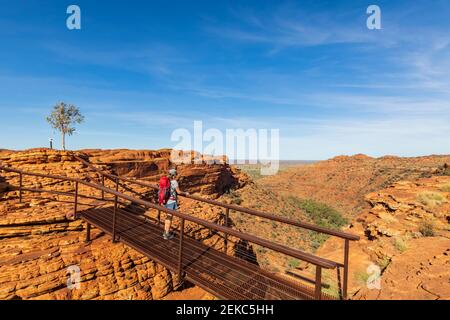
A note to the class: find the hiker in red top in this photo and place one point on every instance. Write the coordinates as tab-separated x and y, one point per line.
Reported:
168	197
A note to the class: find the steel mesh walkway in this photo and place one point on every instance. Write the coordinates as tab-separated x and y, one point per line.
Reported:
220	274
223	275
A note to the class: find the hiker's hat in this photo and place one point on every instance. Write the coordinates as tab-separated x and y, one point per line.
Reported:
173	172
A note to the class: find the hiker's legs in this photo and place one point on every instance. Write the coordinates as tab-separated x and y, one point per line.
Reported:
168	221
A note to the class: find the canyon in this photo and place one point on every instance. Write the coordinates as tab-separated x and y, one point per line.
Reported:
40	239
400	207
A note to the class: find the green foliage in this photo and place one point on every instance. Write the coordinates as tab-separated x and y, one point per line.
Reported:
322	214
400	244
261	250
426	228
234	197
333	290
317	239
384	263
431	199
63	118
362	277
293	263
446	187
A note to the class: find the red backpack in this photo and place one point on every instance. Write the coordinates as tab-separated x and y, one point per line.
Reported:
164	190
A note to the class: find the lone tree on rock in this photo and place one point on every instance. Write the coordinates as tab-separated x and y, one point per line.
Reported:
63	118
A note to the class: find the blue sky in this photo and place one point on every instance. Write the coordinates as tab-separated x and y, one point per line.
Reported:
140	69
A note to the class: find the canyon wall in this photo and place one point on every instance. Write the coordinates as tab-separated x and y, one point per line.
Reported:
41	242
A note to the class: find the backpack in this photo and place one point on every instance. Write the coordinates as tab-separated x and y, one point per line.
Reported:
164	190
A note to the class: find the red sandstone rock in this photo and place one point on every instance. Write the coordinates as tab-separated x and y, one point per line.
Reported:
39	240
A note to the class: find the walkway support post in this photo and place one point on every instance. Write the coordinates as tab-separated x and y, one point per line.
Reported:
114	220
20	187
159	217
115	213
103	184
88	233
75	206
318	291
227	216
180	253
346	253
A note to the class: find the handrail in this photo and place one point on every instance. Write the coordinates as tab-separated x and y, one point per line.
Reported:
304	225
273	217
318	261
340	234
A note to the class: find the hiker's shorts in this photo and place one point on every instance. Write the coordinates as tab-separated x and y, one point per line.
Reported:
171	206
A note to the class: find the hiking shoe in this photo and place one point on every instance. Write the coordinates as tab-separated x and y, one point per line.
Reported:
167	236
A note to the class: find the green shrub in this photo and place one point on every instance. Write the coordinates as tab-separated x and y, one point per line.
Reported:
362	277
261	250
400	244
234	197
317	239
293	263
431	199
384	263
446	187
426	228
322	214
253	171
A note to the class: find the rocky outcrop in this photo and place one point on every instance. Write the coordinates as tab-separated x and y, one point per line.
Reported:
343	182
39	267
212	177
41	243
420	273
406	236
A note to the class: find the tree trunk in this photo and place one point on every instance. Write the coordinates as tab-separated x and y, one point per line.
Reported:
64	141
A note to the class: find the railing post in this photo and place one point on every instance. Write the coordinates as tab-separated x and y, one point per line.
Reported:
227	215
88	232
103	184
180	253
346	254
318	291
75	207
159	217
20	187
114	220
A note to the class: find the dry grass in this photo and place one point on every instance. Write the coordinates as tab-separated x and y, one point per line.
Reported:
426	228
446	187
400	244
431	199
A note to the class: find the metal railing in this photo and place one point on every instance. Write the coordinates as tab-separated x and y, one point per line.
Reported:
319	262
347	237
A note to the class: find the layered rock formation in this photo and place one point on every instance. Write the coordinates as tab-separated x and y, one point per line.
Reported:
40	242
399	206
343	182
405	236
211	177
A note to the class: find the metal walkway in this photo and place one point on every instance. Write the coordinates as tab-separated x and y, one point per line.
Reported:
222	275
